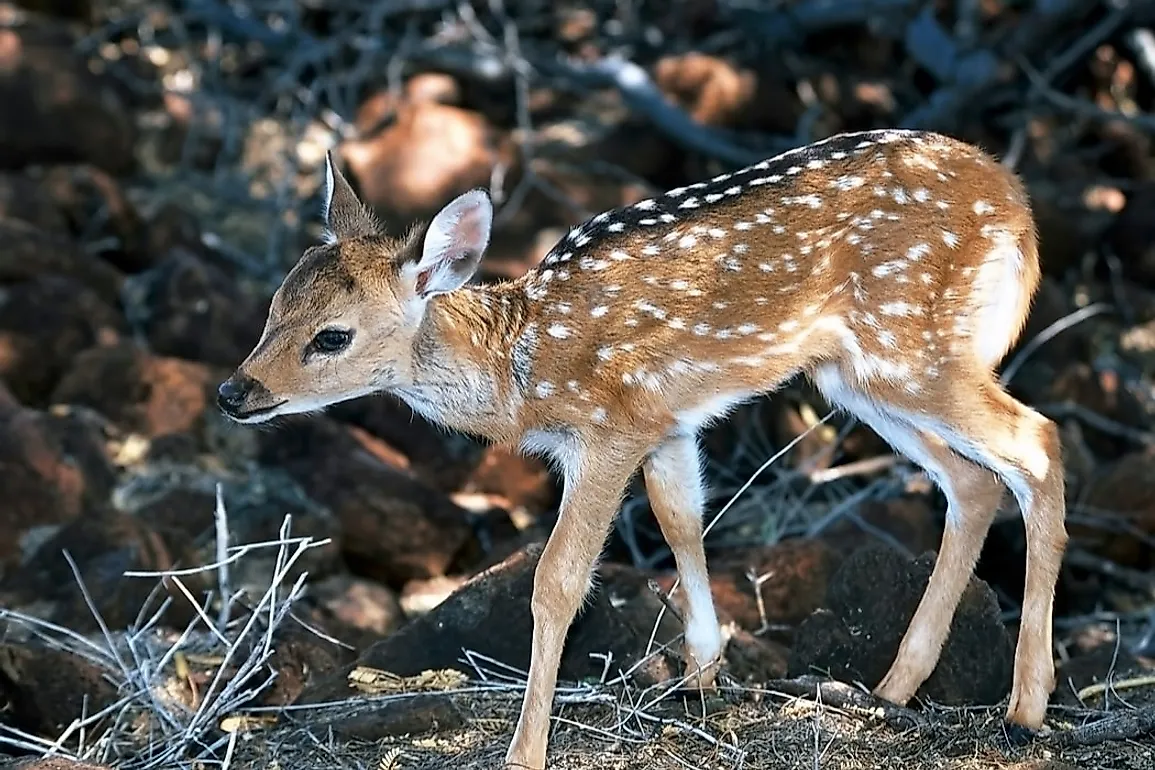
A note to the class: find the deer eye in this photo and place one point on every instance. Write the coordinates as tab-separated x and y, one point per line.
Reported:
331	340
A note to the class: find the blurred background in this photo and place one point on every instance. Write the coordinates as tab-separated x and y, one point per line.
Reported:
160	167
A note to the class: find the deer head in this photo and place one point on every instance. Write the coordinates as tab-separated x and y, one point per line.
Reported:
345	319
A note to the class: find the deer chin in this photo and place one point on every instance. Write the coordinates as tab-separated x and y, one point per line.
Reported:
301	406
258	415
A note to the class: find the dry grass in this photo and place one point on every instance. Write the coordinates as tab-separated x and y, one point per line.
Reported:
763	730
160	722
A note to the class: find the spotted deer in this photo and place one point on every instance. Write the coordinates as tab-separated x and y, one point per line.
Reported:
894	268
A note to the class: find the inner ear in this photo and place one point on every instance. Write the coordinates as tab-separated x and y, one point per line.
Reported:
454	244
344	214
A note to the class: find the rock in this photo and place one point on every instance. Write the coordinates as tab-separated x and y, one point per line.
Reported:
907	521
428	154
443	459
490	615
1063	237
141	392
519	483
754	660
413	715
1132	235
95	208
794	575
358	604
44	323
301	658
29	252
53	467
394	526
56	108
1118	507
104	544
179	502
1106	662
22	197
173	227
869	604
421	596
715	92
44	690
189	308
78	10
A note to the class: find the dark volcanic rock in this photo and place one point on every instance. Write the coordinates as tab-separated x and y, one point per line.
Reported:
872	598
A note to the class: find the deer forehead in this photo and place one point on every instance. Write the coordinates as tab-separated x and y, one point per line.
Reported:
337	275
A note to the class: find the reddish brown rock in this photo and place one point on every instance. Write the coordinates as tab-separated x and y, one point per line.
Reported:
714	91
181	512
56	109
1118	512
490	615
791	577
44	690
394	526
53	467
138	391
44	323
359	604
301	658
421	596
429	153
868	606
518	482
753	659
443	459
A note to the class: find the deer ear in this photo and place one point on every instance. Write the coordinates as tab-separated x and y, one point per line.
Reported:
344	214
454	243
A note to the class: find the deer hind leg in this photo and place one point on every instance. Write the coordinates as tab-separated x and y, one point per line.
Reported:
973	495
1023	448
595	480
984	424
673	481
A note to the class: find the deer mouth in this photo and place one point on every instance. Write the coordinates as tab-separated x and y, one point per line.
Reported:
255	415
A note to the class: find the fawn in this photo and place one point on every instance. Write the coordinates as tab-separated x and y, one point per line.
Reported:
895	268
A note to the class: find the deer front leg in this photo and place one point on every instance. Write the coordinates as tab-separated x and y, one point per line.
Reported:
594	482
673	482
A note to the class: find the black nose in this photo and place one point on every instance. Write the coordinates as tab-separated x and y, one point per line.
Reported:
232	393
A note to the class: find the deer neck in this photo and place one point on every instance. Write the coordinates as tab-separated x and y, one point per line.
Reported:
461	373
